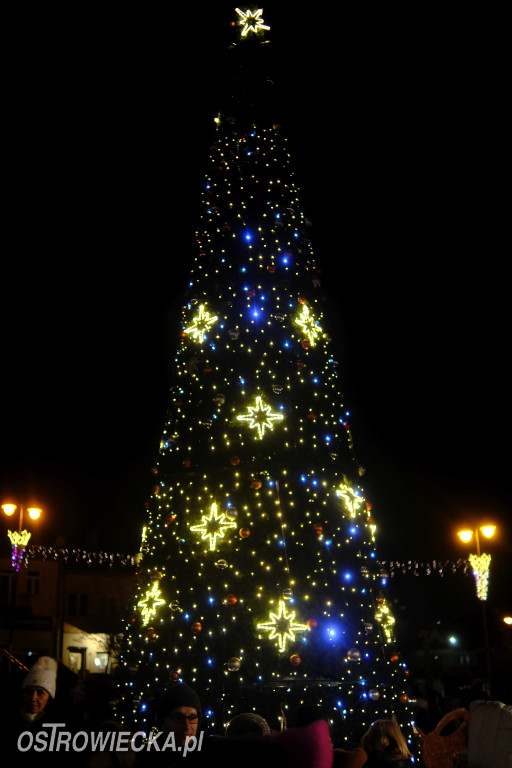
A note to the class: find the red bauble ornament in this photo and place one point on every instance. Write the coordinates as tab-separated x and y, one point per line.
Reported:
394	658
170	519
312	623
301	300
235	461
271	269
196	627
295	659
231	599
256	484
244	533
174	676
186	463
318	528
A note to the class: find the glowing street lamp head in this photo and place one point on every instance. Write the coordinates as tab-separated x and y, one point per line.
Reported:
465	536
488	530
9	509
34	513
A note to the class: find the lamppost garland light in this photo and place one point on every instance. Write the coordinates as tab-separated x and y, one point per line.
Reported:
480	563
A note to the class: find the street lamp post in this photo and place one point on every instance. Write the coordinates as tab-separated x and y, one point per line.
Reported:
480	564
19	540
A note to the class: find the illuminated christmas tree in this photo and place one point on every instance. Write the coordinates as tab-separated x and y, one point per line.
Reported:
258	579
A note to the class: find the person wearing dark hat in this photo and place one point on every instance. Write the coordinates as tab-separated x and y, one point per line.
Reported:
179	712
247	725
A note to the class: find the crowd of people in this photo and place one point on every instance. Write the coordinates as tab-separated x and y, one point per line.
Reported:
40	721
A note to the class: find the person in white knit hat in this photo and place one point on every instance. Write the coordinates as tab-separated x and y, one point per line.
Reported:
38	686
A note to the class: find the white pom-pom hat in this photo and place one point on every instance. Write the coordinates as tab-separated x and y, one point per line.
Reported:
42	675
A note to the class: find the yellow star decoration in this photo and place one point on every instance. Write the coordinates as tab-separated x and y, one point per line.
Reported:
213	527
251	21
260	417
386	619
282	626
308	324
480	565
150	603
351	500
201	324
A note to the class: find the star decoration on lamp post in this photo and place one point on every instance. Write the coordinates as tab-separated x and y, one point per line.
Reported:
350	498
151	601
261	417
282	626
308	324
213	526
19	541
481	565
201	324
251	21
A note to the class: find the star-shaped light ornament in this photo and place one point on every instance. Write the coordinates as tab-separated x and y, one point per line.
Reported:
261	417
201	324
309	325
282	626
386	619
213	526
251	21
151	601
351	500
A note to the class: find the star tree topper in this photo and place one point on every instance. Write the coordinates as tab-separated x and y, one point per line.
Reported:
282	626
214	526
201	324
251	21
260	417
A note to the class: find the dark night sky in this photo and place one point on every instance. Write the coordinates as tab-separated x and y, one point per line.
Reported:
397	130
